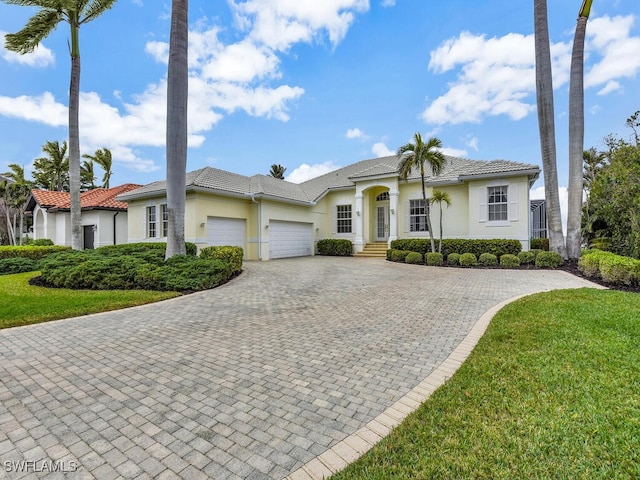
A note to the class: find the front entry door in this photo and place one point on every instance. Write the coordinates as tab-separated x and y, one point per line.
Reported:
88	237
382	223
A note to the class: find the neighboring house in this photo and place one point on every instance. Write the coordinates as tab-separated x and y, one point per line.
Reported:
364	202
104	219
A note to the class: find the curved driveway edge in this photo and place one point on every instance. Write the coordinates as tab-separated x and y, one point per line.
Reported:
251	380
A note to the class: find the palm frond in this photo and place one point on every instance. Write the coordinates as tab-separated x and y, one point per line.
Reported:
94	9
37	28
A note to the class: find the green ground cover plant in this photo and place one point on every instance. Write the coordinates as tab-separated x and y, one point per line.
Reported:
550	391
24	304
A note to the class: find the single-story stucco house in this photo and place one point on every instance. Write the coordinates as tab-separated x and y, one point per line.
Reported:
365	202
104	219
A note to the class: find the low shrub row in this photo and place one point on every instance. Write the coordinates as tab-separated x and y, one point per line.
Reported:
610	267
497	247
231	255
540	258
335	247
540	244
33	252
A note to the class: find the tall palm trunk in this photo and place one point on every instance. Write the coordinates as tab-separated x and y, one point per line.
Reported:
440	244
576	133
74	135
177	96
546	123
427	210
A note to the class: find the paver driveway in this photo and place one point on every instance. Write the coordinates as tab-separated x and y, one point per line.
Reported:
250	380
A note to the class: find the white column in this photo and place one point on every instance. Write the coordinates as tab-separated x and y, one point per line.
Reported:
393	215
359	222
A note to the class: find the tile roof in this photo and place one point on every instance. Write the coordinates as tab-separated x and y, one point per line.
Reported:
98	198
456	170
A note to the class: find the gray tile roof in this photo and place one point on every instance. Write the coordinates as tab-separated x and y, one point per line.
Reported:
456	170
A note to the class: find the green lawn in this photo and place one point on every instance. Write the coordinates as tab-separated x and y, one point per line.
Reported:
23	304
551	391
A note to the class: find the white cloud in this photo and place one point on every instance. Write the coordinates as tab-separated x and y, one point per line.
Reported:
454	152
355	133
388	3
306	172
563	192
40	57
381	150
42	109
472	142
496	76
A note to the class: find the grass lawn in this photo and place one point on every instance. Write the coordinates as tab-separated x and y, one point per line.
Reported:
23	304
551	391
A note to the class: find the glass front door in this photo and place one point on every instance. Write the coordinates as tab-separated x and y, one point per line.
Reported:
382	223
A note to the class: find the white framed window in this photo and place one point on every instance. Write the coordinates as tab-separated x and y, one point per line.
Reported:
151	222
498	203
343	216
418	216
164	211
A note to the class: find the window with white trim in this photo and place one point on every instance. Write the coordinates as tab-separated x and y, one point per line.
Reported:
151	221
498	203
343	216
418	216
164	211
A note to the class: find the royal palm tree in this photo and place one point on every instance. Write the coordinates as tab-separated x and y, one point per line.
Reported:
576	134
419	155
104	160
177	95
52	172
440	197
546	124
39	26
277	171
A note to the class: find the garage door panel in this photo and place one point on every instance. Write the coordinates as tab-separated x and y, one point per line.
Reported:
290	239
226	231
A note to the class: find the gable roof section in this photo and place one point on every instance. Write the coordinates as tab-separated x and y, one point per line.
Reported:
96	199
223	182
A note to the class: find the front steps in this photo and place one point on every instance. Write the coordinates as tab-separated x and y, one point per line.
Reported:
375	250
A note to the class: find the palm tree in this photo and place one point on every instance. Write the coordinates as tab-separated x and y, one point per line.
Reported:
441	197
544	99
576	134
177	95
38	27
104	159
415	156
277	171
87	176
52	172
16	194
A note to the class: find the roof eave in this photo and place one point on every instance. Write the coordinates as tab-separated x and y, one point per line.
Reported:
275	198
511	173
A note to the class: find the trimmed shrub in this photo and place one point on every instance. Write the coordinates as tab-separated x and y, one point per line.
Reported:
488	259
549	260
453	259
335	247
231	255
526	258
434	259
413	258
498	247
9	266
30	251
509	261
535	252
539	244
589	263
618	269
399	255
468	260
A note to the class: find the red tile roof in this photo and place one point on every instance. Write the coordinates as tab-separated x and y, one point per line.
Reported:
98	198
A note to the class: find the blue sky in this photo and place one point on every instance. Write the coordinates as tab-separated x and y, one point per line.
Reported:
317	85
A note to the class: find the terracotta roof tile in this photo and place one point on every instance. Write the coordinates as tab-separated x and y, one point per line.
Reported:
91	199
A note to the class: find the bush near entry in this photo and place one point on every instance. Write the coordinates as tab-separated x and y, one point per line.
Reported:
413	258
231	255
549	260
497	247
434	259
335	247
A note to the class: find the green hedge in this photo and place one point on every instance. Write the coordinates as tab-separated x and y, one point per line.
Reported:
527	258
497	247
453	259
612	268
413	258
231	255
549	260
10	266
434	259
488	259
509	261
540	244
468	260
398	255
34	252
335	247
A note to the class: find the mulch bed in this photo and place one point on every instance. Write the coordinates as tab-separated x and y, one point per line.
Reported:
572	267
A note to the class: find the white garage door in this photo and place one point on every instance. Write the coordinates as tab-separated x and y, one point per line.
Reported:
226	231
289	239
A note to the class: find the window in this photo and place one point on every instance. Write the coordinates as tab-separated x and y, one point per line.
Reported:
165	219
382	197
498	203
417	216
344	218
151	221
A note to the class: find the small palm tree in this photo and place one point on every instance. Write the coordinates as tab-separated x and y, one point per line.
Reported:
16	194
440	197
277	171
38	27
87	176
418	155
104	160
52	172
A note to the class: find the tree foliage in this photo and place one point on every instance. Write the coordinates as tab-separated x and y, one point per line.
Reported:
277	171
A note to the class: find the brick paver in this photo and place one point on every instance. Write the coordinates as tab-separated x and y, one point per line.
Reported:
251	380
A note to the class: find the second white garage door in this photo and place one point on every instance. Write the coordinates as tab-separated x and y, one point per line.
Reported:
226	231
290	239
